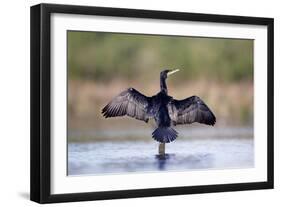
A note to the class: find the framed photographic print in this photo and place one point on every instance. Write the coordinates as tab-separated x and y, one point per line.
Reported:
133	103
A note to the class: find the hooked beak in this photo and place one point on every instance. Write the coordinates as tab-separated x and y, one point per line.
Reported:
173	71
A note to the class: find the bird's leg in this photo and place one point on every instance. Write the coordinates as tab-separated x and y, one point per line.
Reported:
161	149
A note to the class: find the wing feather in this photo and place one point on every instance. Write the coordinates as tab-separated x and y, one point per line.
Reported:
129	102
191	110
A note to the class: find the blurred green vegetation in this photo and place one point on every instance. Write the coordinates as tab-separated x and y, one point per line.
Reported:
103	56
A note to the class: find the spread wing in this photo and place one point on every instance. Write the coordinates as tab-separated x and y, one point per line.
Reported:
129	102
190	110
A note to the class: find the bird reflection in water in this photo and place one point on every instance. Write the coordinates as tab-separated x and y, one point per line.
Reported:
162	160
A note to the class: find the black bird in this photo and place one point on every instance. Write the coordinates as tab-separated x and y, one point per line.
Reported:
166	111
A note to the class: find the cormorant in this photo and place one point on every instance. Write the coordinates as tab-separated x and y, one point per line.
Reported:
166	111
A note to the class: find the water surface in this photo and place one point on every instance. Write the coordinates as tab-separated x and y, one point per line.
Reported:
224	151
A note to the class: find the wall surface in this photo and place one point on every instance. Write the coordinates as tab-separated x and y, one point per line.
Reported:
14	109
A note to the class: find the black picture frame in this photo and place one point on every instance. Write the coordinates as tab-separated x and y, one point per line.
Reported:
41	98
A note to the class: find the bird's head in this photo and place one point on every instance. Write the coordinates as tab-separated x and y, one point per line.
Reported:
166	73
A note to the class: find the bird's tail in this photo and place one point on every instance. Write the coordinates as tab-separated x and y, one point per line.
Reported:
164	134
